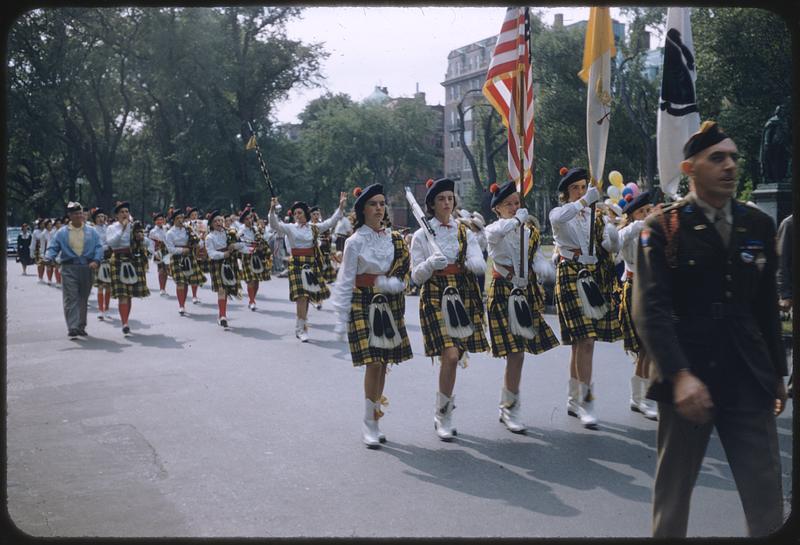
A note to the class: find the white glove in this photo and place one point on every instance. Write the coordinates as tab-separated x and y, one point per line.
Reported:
437	261
519	282
592	195
522	215
389	284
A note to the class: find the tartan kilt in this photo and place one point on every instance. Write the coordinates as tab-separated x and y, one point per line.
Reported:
502	341
431	317
37	257
296	290
96	282
204	265
574	324
247	273
216	278
328	272
358	329
118	288
629	336
194	277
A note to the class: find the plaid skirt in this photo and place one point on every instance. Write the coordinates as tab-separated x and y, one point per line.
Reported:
296	290
247	273
358	329
629	335
216	278
574	324
502	341
194	276
38	256
431	317
118	288
328	272
96	282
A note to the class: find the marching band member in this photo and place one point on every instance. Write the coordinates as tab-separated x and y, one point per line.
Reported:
182	244
449	295
305	268
158	234
325	246
222	247
635	213
102	276
126	281
369	302
198	226
39	244
571	229
47	234
57	223
255	263
516	324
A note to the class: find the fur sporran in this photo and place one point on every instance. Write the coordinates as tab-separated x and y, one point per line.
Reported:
520	318
383	332
227	273
257	263
104	272
310	280
592	302
127	273
455	316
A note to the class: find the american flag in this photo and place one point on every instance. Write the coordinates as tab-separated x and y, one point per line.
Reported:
509	69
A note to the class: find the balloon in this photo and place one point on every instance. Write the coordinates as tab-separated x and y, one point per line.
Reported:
628	198
615	178
614	192
609	202
627	191
634	188
622	203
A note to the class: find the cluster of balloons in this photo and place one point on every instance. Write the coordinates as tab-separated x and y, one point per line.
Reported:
620	193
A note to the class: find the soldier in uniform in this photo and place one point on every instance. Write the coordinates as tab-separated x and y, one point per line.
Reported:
706	309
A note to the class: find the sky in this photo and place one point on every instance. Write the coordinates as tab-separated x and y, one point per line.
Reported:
396	48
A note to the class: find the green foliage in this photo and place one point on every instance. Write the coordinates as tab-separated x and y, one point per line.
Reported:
746	192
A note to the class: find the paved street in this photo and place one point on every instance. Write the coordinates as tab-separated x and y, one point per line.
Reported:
184	429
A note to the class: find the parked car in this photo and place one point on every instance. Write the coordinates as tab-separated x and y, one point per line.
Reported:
11	239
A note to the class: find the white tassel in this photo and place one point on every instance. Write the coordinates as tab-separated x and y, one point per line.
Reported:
104	272
520	318
127	273
455	316
228	276
592	302
383	332
310	280
186	263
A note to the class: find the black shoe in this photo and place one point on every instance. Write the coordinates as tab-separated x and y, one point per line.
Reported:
82	333
73	335
223	322
126	330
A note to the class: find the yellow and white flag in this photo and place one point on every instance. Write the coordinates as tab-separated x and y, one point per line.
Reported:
596	72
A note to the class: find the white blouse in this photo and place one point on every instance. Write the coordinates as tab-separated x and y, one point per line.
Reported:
117	237
158	233
176	239
365	252
217	243
629	238
102	231
301	236
447	240
502	237
248	236
571	231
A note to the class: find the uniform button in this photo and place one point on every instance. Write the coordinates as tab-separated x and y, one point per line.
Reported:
691	262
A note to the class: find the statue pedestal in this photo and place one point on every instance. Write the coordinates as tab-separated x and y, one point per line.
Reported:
775	199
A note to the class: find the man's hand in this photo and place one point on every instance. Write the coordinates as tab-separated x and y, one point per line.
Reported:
780	397
692	400
93	265
785	304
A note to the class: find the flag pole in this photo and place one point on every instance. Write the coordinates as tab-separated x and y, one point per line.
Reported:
264	170
521	80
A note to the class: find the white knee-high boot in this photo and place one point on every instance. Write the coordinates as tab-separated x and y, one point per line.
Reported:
443	417
509	411
369	429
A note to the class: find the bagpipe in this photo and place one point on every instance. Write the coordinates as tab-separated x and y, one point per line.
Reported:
260	253
127	270
228	271
193	244
455	315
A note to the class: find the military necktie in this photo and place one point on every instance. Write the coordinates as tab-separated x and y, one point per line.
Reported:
722	226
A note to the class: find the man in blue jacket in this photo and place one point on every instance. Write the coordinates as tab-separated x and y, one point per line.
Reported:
81	251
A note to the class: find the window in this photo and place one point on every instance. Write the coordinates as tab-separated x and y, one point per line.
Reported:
468	137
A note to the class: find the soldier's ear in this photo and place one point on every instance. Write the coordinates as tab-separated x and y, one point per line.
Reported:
687	167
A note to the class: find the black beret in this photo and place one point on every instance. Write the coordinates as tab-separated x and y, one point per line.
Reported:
213	214
157	215
246	212
175	213
639	201
190	209
442	184
502	193
708	135
120	205
365	195
573	175
314	208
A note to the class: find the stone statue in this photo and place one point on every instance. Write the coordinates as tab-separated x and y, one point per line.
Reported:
776	147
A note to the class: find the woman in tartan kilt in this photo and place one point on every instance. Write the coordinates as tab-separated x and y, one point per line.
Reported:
305	266
325	246
119	238
182	244
510	337
452	263
368	295
158	234
199	227
47	234
571	226
99	219
39	244
222	247
57	224
251	236
635	213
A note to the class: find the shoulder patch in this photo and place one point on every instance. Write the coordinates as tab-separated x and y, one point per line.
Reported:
644	236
